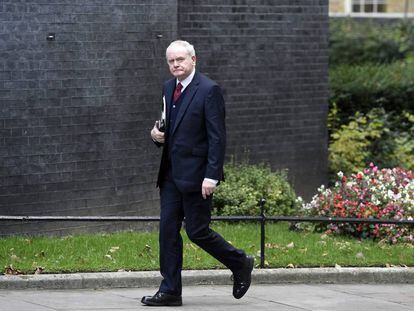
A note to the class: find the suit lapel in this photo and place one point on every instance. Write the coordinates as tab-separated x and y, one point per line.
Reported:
188	96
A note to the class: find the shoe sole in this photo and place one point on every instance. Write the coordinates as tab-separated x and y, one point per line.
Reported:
172	304
168	304
164	305
251	264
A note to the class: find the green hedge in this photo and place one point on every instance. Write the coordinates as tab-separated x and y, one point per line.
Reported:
360	42
361	88
245	185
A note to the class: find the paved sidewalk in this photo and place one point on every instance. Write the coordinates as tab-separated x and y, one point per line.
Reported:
281	297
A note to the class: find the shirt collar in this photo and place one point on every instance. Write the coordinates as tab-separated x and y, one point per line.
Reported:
186	81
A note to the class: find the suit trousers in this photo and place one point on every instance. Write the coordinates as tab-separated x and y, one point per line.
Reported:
175	207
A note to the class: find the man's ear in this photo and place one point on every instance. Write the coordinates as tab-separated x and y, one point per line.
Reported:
194	58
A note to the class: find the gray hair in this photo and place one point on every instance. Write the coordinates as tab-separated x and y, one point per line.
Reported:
184	44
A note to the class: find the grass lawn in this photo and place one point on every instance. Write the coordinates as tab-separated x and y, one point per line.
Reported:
139	250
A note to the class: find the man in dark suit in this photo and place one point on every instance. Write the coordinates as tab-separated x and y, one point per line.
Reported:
191	167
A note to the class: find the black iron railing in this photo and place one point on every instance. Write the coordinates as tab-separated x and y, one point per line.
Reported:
262	218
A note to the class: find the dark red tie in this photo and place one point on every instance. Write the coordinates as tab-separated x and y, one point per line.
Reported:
177	91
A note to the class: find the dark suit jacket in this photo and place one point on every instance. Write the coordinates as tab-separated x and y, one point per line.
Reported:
197	142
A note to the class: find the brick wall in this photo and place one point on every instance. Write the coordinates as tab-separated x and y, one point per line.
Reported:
271	60
336	6
398	6
76	112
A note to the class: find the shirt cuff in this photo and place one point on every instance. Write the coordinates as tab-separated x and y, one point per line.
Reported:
213	181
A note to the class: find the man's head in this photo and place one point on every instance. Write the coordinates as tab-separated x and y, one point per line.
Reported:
181	59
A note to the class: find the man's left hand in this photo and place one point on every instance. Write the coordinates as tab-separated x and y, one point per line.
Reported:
207	188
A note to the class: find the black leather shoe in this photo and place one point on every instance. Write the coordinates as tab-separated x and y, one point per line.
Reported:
243	278
162	299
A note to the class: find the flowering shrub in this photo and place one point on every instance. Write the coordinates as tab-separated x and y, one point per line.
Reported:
373	193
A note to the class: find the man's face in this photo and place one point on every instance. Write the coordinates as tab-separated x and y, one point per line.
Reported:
181	64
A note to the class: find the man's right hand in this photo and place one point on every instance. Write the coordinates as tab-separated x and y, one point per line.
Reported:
157	135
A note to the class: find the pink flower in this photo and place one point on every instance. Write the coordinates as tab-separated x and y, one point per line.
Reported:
375	193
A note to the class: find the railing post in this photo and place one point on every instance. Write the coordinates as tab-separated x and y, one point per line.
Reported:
262	233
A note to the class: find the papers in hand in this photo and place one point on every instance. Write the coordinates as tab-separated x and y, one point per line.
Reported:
161	121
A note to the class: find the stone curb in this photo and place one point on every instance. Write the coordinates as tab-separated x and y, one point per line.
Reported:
207	277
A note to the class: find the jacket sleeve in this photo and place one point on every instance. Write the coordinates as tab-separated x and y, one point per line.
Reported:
214	112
